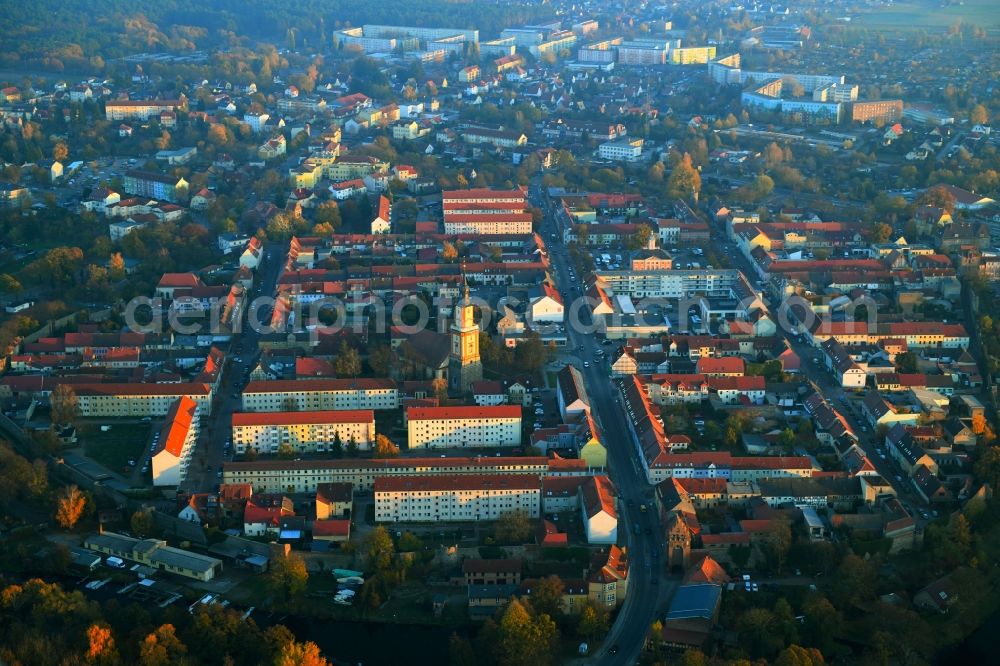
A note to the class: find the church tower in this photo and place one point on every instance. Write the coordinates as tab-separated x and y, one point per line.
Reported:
464	365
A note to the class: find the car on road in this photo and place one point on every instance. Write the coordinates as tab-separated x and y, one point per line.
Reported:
586	364
754	587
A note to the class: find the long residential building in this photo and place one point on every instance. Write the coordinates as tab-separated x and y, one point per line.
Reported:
118	400
154	185
140	109
675	283
274	476
449	498
172	455
313	395
304	432
463	427
485	211
917	334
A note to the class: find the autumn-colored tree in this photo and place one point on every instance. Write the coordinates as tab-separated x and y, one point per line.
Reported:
384	447
448	252
100	645
70	504
328	212
162	647
380	359
379	549
287	576
979	115
684	181
59	151
795	655
440	387
116	266
65	405
301	654
524	639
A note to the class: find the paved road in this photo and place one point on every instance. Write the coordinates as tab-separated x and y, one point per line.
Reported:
210	455
648	587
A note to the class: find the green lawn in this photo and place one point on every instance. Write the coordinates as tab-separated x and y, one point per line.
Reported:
928	14
112	449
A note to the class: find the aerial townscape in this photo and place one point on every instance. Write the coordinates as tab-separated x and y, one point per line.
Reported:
509	333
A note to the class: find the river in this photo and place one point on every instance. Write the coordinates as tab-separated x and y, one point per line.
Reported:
376	644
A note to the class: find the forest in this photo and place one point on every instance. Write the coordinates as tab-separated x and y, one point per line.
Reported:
49	36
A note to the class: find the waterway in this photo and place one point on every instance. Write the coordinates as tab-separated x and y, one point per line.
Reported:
376	644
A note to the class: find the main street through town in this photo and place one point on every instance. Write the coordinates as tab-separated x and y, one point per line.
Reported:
648	588
240	359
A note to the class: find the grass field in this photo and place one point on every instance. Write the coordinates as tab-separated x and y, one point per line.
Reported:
927	14
112	449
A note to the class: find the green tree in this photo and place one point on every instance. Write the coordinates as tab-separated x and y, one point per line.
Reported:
337	447
512	527
348	362
285	451
758	633
546	597
380	359
65	406
906	362
460	652
142	524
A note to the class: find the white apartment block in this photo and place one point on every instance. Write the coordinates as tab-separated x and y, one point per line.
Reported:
485	211
256	121
313	395
408	499
624	150
281	476
675	283
305	432
124	109
172	456
139	400
463	427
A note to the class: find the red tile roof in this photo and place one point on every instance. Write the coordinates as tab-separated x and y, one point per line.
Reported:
453	482
303	418
336	527
179	419
463	412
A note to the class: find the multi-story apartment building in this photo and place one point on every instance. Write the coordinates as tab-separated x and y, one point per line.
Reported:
172	455
304	432
836	92
313	395
463	427
918	335
625	150
643	52
118	400
495	138
141	109
691	55
455	498
883	110
675	283
159	186
484	211
280	476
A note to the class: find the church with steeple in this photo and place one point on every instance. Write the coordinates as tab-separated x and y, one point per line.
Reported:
464	364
